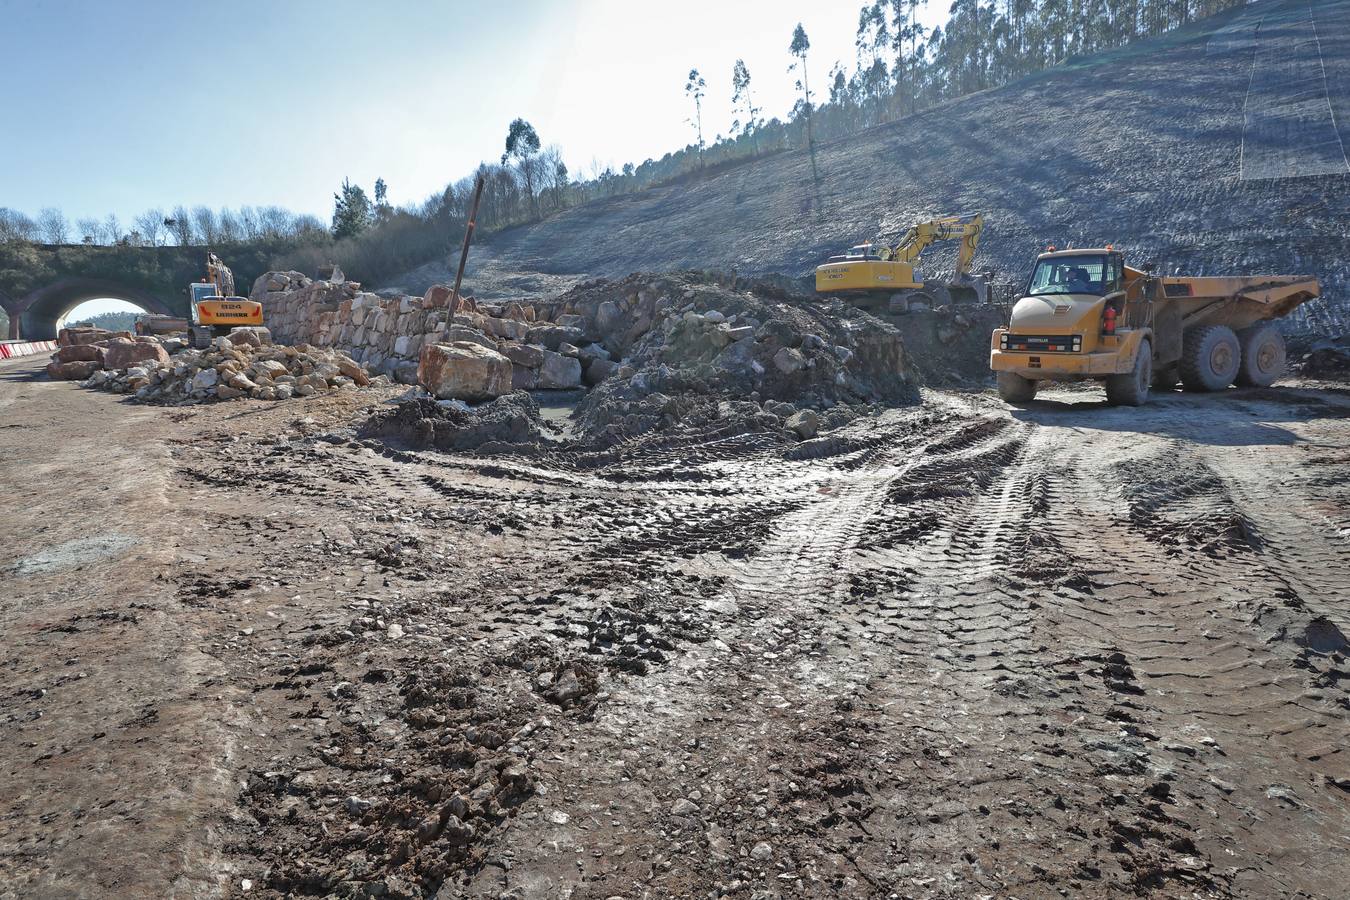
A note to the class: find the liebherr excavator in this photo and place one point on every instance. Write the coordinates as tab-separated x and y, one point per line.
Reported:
213	308
884	273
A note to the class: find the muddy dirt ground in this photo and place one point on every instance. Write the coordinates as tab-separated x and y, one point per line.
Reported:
951	650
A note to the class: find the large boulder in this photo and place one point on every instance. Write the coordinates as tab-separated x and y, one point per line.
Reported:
609	318
550	336
523	355
467	333
123	354
438	296
78	353
805	423
463	370
86	334
559	372
597	370
75	370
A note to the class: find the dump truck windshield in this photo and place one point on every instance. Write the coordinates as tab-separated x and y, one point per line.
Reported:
1069	275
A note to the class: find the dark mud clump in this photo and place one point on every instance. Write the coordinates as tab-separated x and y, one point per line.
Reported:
509	422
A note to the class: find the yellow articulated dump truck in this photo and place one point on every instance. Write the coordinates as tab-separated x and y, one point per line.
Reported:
1085	315
214	309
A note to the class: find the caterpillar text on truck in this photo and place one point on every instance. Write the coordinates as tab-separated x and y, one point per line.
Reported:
214	308
1086	315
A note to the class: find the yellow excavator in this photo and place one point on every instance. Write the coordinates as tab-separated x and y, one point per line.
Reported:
214	308
876	273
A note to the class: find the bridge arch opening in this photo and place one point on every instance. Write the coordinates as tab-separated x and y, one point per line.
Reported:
105	312
43	311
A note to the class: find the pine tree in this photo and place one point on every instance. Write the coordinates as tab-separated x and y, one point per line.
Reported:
351	211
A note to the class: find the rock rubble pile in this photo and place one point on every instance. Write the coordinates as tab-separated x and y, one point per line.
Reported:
236	366
661	350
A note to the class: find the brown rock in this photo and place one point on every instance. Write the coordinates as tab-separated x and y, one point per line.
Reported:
523	355
77	370
88	335
353	370
78	353
463	371
124	353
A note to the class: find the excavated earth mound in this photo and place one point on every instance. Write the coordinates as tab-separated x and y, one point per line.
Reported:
690	349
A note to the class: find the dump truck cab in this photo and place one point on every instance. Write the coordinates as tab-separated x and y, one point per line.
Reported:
1063	310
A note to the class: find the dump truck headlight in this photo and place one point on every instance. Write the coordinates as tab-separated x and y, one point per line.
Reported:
1003	342
1078	342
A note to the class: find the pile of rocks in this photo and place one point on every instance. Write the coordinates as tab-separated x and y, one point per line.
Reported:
507	423
236	366
690	342
83	351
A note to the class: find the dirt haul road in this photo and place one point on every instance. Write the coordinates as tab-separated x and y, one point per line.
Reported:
951	650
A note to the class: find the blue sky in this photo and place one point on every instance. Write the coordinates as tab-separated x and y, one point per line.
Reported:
121	106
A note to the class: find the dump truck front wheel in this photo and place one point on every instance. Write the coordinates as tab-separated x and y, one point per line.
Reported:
1210	356
1263	355
1131	388
1013	388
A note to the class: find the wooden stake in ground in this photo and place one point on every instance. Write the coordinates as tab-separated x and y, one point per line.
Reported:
468	234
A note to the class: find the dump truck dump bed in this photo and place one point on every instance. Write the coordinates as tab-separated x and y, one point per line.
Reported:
1235	301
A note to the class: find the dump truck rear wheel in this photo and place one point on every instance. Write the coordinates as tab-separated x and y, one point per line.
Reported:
1013	388
1210	356
1131	389
1263	355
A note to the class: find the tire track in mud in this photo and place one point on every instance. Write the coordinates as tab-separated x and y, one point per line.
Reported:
1196	603
940	652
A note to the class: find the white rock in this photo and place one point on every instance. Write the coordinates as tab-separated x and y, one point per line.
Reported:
205	380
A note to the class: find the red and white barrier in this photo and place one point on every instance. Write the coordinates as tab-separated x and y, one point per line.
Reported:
14	349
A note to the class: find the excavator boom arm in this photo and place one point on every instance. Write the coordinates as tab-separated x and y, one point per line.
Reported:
920	237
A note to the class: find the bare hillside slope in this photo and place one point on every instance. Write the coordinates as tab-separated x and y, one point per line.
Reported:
1214	149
